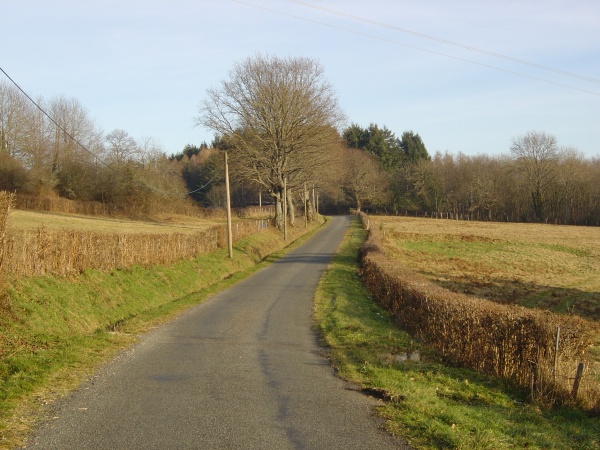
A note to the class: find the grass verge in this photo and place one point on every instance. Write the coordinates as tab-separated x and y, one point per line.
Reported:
429	404
54	332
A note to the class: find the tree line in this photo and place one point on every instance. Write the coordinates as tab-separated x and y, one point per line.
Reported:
55	148
537	181
288	143
280	120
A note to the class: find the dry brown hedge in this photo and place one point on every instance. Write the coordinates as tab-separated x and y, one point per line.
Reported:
57	204
508	341
6	202
64	252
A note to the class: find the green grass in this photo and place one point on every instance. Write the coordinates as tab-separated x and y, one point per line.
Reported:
56	331
429	404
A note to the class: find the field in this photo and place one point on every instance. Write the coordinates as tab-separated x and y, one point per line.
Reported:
427	401
535	265
32	220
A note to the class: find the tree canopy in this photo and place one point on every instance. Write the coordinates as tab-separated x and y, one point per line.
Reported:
537	159
413	147
391	151
278	117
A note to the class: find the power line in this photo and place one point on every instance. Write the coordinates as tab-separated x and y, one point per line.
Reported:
60	127
419	48
448	42
209	182
96	157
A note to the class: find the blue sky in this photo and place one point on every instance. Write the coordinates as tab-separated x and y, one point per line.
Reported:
145	65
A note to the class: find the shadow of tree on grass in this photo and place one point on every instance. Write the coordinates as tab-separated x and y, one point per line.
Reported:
516	292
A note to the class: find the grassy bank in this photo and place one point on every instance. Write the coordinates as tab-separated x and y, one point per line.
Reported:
56	331
433	406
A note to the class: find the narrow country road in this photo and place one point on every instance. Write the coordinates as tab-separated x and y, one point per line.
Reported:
241	371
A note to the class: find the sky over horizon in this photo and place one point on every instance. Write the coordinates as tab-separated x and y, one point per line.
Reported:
468	76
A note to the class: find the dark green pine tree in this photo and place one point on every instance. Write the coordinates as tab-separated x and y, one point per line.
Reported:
381	142
413	147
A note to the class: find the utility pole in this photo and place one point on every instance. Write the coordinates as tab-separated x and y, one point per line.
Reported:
314	205
304	197
228	201
285	209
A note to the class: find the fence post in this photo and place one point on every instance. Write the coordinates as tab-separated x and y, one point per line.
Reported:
578	376
556	353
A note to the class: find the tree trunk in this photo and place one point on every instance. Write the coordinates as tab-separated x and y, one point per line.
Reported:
278	210
537	202
311	209
291	210
358	204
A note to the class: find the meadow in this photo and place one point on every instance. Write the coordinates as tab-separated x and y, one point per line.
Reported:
32	220
550	267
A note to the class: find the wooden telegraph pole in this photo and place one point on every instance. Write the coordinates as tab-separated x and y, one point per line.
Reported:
305	195
228	202
285	209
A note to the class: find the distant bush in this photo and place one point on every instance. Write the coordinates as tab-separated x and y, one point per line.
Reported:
13	176
516	343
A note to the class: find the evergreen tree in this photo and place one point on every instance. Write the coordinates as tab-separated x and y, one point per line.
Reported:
413	147
381	142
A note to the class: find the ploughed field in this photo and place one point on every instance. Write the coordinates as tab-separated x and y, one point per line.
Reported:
535	265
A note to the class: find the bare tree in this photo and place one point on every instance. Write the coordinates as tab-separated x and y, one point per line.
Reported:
428	184
13	119
121	147
75	129
537	159
278	116
365	180
571	187
150	151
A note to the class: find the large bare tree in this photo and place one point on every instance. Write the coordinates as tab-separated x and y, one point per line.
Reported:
278	117
537	159
365	180
13	119
121	147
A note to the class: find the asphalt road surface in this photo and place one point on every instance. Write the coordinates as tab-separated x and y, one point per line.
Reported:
243	370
